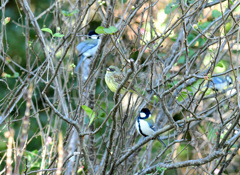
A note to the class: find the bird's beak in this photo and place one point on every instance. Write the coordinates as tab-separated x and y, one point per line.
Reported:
108	70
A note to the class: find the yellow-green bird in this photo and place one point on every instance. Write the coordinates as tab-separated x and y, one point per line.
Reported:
114	77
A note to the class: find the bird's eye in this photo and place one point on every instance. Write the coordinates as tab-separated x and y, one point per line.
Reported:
112	70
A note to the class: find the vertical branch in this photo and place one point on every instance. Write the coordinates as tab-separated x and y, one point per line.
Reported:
92	153
9	134
24	132
60	154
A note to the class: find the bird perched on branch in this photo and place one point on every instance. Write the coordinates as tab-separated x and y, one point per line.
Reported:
145	125
88	48
114	77
219	83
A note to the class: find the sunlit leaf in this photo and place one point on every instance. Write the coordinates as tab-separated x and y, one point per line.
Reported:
90	113
58	35
16	74
47	30
220	67
100	30
7	19
228	26
182	96
8	59
65	12
30	43
110	30
5	75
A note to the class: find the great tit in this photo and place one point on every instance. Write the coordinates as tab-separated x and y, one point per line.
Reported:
145	125
88	48
219	83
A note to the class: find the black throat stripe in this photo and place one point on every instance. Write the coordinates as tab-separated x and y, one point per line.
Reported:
139	127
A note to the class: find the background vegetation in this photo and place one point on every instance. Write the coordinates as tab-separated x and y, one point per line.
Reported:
55	121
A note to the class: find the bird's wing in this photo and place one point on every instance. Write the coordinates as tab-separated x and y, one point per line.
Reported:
80	46
217	80
79	63
118	78
86	45
151	123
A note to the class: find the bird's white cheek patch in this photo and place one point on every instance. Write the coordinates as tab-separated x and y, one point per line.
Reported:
146	128
94	37
142	115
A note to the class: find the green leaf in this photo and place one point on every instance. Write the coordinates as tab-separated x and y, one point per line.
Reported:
110	30
228	26
222	135
58	35
220	67
90	113
35	151
47	30
160	169
124	1
67	13
195	85
100	30
5	75
30	43
204	25
170	7
16	74
7	19
102	112
182	60
216	14
182	96
113	29
74	11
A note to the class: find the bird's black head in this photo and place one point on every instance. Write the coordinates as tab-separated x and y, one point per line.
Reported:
93	35
145	113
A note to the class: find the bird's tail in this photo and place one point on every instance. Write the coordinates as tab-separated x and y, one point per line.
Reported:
79	63
160	140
